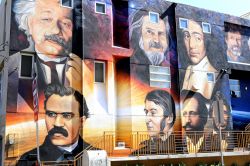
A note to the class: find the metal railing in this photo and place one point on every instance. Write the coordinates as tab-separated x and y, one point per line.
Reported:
247	128
191	142
169	144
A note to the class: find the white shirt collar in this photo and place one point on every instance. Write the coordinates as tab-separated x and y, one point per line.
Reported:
69	148
46	58
201	64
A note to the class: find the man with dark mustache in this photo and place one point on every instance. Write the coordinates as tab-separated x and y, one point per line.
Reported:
194	118
66	111
194	111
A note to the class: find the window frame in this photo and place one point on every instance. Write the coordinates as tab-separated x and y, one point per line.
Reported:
183	19
213	77
150	13
206	23
237	85
70	7
20	66
162	74
104	72
101	3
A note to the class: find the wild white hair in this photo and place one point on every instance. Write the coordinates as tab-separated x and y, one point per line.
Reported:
23	9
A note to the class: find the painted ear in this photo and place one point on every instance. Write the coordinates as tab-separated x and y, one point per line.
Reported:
169	119
83	119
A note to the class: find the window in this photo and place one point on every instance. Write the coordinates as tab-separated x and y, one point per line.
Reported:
99	72
67	3
154	17
235	88
183	23
206	28
210	77
160	76
100	7
26	70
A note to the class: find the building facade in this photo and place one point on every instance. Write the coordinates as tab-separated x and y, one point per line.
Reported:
159	78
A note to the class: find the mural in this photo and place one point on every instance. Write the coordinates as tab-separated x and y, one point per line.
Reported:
170	79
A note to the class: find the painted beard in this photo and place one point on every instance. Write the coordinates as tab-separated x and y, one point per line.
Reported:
156	58
235	50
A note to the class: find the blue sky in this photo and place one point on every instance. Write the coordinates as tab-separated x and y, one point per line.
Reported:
232	7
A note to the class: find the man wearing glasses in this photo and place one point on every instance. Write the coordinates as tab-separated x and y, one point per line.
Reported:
66	111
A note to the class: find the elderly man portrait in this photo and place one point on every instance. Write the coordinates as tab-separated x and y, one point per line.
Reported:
194	118
150	39
160	117
66	112
49	28
196	59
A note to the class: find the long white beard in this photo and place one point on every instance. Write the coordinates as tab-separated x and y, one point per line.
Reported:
156	58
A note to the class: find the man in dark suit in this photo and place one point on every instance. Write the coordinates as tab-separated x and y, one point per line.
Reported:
66	111
160	118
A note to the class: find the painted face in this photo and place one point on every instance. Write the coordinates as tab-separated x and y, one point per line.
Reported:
62	119
194	42
233	42
154	117
191	119
51	28
226	116
154	38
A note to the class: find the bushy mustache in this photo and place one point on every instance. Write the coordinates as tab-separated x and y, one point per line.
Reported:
57	39
187	126
155	44
58	130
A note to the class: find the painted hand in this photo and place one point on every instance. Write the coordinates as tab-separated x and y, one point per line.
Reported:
74	72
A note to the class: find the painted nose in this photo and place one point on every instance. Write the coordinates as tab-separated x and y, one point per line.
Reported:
187	119
148	119
59	122
192	42
56	29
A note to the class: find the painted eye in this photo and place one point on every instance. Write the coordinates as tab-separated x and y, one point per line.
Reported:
186	35
46	20
51	114
67	115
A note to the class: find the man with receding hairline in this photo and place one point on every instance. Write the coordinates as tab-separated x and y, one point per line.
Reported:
66	112
49	29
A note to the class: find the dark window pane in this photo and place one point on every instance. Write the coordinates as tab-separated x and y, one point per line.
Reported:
100	8
67	3
99	72
26	66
